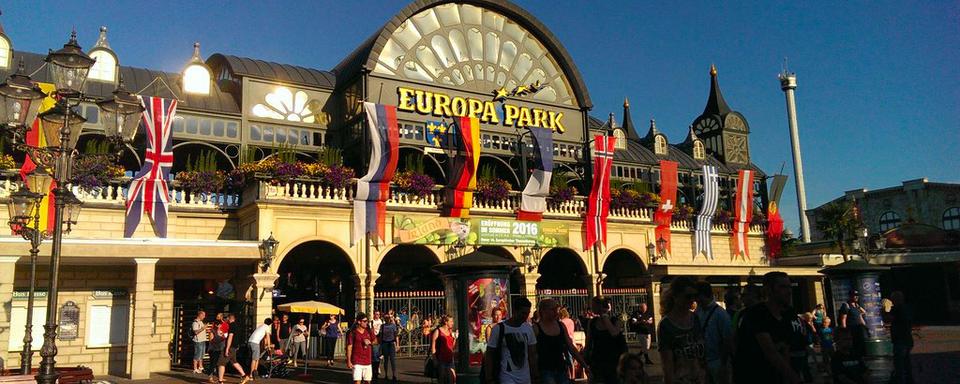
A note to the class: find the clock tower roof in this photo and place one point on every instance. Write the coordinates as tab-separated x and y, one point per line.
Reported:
716	105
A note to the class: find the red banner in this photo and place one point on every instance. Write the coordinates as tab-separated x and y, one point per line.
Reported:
668	199
598	204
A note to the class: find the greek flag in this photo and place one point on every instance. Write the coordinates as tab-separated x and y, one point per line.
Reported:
711	192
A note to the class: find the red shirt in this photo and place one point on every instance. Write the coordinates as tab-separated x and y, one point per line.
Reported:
445	347
362	353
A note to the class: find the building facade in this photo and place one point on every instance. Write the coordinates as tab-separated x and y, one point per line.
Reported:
434	60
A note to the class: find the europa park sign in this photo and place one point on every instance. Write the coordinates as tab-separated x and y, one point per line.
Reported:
443	105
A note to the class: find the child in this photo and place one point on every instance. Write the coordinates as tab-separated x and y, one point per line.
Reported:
826	343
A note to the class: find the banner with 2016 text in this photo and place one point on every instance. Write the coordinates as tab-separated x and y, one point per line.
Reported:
479	231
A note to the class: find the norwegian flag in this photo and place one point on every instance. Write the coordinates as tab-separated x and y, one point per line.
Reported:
743	212
599	202
148	191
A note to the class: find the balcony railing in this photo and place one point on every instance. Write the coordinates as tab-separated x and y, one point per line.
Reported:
313	191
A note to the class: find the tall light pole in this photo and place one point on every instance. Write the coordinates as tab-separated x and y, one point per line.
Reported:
788	83
61	127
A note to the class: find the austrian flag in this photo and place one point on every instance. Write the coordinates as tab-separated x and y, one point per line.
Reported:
148	191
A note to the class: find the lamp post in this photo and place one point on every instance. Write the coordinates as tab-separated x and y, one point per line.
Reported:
532	256
268	250
61	129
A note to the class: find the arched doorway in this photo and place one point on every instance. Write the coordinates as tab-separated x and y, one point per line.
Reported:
410	290
317	270
563	276
625	284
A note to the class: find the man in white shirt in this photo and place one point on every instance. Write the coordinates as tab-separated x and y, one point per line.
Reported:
514	341
256	338
376	323
199	330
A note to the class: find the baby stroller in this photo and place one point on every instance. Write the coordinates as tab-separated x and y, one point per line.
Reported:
274	364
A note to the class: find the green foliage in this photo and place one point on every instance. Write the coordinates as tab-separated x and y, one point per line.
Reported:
330	156
285	153
205	161
838	222
248	155
96	147
487	172
414	163
559	180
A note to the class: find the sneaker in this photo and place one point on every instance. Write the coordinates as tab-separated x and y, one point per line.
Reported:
245	380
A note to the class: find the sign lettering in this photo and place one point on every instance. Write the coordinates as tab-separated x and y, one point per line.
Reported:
439	104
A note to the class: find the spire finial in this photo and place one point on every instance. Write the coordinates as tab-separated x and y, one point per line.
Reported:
626	103
713	70
612	121
102	39
73	35
196	50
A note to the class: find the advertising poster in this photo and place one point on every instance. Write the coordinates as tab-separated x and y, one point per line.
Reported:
483	295
479	231
870	300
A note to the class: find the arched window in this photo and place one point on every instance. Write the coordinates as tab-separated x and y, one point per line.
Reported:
951	218
889	220
660	145
698	152
105	68
621	139
4	51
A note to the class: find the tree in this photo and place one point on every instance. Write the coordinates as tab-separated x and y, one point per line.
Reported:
837	221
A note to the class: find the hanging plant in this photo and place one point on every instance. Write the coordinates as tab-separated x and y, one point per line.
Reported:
202	182
92	172
493	190
337	176
414	184
683	212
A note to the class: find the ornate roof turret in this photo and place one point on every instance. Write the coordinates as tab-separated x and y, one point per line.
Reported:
102	40
611	123
628	127
716	105
652	132
691	137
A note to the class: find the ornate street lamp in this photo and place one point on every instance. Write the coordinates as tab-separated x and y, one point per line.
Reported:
121	117
24	212
69	67
268	250
19	101
532	256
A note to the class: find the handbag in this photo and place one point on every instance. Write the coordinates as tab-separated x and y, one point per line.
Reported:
430	368
493	360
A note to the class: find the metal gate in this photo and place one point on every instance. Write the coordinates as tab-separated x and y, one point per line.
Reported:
577	301
417	313
625	302
181	340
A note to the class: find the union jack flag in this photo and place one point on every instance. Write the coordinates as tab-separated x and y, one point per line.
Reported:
148	191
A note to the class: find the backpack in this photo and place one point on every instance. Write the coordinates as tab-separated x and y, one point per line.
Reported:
493	360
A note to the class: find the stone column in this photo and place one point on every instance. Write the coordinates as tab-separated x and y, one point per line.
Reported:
655	287
263	295
530	286
141	343
372	283
363	298
8	266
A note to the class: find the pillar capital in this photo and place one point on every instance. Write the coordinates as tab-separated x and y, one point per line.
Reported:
264	280
145	260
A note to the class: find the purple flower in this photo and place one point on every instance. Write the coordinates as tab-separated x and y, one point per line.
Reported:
338	176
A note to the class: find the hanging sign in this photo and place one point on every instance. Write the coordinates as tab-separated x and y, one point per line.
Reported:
479	231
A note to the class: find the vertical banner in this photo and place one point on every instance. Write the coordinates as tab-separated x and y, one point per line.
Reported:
35	138
711	194
598	204
668	198
148	191
534	199
373	189
774	220
743	212
458	198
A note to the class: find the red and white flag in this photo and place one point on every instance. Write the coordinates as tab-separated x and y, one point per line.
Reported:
598	205
743	212
668	199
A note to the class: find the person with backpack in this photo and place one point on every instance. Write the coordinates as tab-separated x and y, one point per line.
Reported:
680	335
714	323
511	356
553	345
199	330
605	342
215	347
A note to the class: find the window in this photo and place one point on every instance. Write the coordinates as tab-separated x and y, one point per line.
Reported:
660	145
698	152
889	220
951	218
18	319
114	318
105	68
621	139
4	52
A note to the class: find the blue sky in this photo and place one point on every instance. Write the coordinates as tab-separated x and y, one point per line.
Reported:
879	82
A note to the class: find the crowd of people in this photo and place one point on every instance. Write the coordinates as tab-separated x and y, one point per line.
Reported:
755	337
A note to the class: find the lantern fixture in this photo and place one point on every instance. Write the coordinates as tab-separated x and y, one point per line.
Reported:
19	100
39	182
22	207
532	256
69	67
121	115
53	125
71	209
662	247
268	250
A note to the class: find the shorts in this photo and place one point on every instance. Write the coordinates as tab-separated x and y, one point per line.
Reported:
254	350
362	372
199	349
644	342
224	359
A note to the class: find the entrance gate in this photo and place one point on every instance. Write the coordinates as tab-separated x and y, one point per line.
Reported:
412	309
624	302
184	312
577	301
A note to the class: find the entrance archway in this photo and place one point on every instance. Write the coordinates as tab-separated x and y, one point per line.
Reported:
407	267
624	269
317	270
563	277
410	289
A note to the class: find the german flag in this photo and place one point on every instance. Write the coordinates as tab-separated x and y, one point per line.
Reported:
463	176
36	139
